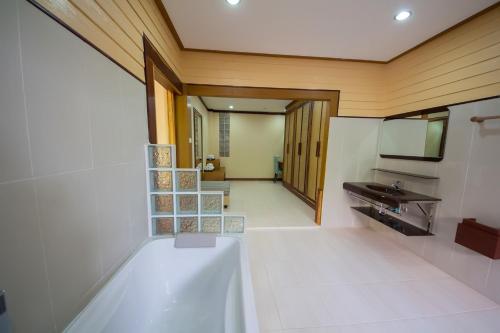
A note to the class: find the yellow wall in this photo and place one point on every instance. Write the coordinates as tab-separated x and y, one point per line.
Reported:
461	65
162	130
116	27
253	141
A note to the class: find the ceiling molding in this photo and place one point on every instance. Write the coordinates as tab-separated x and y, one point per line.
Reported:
171	26
249	112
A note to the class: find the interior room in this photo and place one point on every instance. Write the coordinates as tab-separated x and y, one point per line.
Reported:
247	166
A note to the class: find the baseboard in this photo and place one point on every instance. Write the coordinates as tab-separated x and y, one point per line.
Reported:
271	179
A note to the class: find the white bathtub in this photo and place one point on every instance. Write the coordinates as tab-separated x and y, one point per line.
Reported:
165	289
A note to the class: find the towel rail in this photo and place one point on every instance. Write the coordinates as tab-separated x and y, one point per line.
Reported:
482	119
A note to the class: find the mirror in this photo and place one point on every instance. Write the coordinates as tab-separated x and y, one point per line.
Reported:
197	139
415	137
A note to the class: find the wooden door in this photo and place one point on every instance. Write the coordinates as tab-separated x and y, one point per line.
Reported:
314	150
286	148
325	123
297	147
304	147
289	148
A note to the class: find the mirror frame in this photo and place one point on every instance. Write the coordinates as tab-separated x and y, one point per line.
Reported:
197	114
419	113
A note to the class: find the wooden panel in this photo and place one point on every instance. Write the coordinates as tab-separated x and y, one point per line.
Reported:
325	126
304	145
296	145
314	150
183	133
286	148
291	136
116	28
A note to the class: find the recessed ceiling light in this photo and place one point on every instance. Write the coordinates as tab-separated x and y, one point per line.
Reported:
231	107
233	2
402	15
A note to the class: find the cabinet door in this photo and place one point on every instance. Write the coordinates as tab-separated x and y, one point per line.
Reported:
286	148
290	134
297	147
304	147
314	150
325	123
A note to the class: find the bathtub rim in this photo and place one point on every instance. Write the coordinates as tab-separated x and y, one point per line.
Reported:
251	323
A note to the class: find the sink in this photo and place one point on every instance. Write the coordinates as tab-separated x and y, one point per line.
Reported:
385	189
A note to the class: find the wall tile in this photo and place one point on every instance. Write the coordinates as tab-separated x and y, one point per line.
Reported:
59	122
13	129
104	103
136	181
113	215
470	267
493	282
68	217
21	260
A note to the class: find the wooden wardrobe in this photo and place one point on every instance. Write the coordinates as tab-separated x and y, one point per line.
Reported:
305	134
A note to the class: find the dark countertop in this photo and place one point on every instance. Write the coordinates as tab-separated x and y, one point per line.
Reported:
387	198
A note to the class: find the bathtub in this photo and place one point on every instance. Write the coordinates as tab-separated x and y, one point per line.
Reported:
166	289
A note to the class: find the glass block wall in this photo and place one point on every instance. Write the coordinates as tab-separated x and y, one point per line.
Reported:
175	202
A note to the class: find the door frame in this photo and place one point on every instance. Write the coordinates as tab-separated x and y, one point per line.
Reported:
296	95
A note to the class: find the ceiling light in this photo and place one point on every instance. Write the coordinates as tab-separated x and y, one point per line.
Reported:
402	15
231	107
233	2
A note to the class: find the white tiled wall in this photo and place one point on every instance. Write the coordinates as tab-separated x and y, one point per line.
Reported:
352	153
72	181
469	186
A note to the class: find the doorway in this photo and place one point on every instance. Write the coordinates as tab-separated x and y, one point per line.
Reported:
305	121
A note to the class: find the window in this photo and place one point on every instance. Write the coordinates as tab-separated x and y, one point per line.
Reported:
224	134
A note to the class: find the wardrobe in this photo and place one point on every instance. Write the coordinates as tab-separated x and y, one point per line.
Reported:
306	129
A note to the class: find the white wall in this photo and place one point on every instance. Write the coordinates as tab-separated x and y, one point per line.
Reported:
468	185
352	153
72	183
254	140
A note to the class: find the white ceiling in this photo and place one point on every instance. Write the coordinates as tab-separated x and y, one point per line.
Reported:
246	104
353	29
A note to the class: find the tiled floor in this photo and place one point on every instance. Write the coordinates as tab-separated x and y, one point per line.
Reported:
268	204
356	280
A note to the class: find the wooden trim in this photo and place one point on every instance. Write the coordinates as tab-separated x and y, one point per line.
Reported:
203	102
416	158
150	52
299	195
249	112
150	100
266	93
169	23
295	105
288	56
459	24
418	113
172	29
85	40
252	179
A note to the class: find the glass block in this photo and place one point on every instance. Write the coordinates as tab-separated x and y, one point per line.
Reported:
162	204
187	224
211	203
234	224
160	156
163	226
211	224
186	181
187	204
161	181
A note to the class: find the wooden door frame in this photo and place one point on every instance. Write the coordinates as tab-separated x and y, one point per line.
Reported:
297	95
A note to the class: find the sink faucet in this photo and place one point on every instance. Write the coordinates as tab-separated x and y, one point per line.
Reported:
397	185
